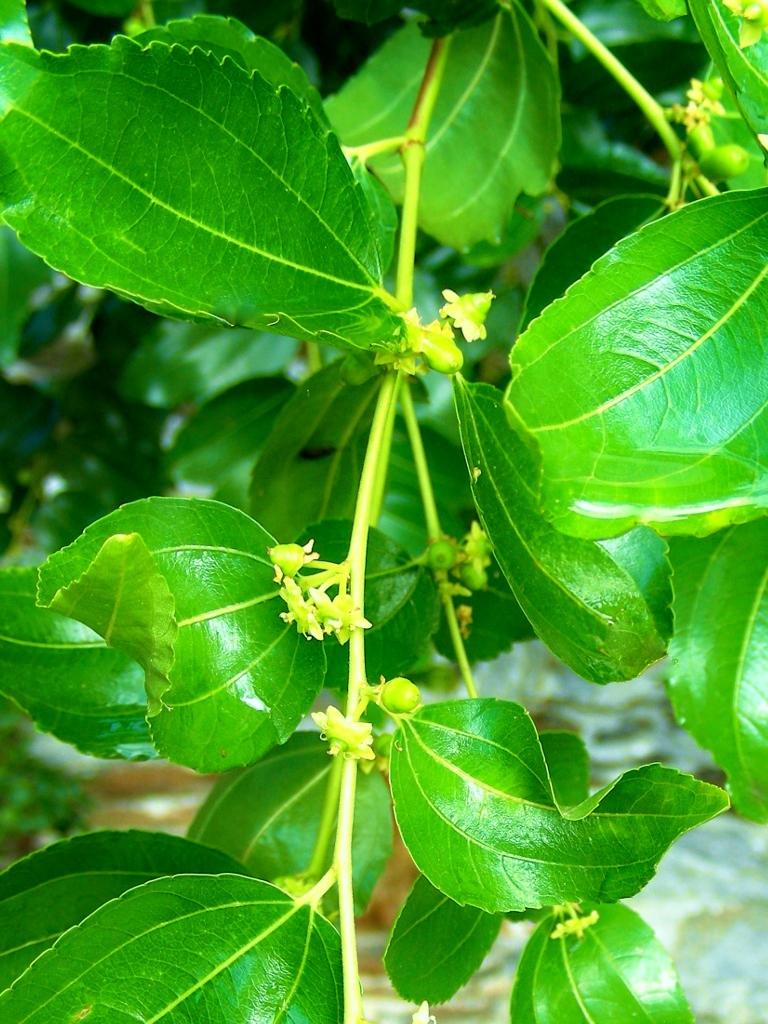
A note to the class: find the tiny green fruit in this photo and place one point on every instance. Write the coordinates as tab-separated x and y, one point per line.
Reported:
701	139
442	354
725	162
473	576
400	696
288	557
442	554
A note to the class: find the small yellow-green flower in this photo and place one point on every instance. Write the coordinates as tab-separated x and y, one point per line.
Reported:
575	926
338	615
755	15
345	735
289	558
300	611
423	1016
468	312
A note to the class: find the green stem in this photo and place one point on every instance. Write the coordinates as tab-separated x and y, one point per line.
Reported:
377	148
382	468
324	838
434	532
358	546
652	110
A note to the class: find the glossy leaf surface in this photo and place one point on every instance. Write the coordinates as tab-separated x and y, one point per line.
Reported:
476	809
436	945
601	608
745	71
66	678
645	388
719	654
267	816
185	587
568	766
665	9
179	193
311	462
495	130
55	888
400	602
249	953
618	971
14	27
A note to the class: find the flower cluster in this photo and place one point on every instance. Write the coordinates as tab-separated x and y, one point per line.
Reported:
346	736
468	312
468	568
575	923
702	103
755	15
316	613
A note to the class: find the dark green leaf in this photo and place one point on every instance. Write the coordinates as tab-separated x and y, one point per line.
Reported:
618	971
600	607
107	8
268	816
630	388
568	766
436	945
217	447
207	948
58	887
66	678
310	465
179	193
446	15
665	10
497	621
584	240
477	811
479	159
14	27
185	587
228	37
719	654
191	362
400	601
745	71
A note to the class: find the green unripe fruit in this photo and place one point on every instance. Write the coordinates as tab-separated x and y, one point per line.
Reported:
724	162
473	576
289	557
701	139
442	554
443	355
712	88
400	696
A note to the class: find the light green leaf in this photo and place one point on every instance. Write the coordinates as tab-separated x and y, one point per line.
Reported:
568	766
601	607
14	26
745	71
665	10
249	953
477	811
645	388
226	678
21	273
228	37
53	889
191	362
178	191
401	603
618	971
719	654
584	240
495	131
217	447
436	945
65	677
310	465
268	816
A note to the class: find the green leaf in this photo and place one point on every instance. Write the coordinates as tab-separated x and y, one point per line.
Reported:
66	678
584	240
601	607
383	219
665	10
497	621
310	465
248	952
719	654
185	587
228	37
478	157
268	816
14	26
629	386
436	945
21	273
191	362
217	447
185	202
617	971
477	811
446	15
568	766
53	889
745	71
401	602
